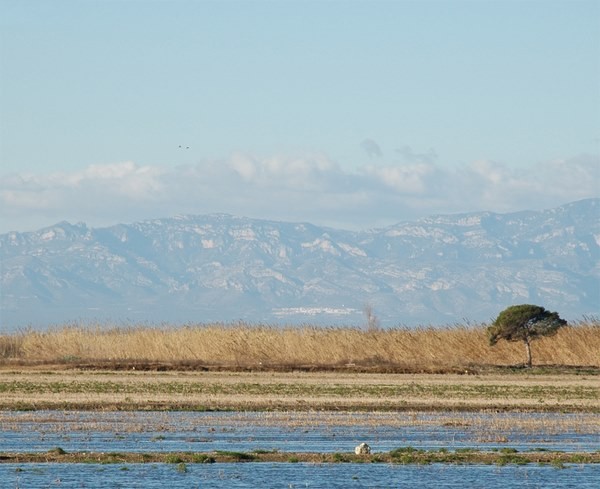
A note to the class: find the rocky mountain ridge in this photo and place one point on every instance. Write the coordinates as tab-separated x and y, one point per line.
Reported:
437	270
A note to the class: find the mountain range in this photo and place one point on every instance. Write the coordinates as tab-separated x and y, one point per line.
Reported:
441	269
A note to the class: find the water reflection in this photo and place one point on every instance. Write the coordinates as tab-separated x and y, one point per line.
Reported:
266	475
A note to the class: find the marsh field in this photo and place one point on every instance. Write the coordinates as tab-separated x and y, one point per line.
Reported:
257	367
158	402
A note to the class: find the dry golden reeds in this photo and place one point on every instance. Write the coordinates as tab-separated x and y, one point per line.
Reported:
245	345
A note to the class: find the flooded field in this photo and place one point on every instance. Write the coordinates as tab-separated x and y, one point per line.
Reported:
79	429
117	433
294	431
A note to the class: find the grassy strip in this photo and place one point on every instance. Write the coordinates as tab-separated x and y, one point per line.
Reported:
405	455
478	391
289	405
296	391
381	367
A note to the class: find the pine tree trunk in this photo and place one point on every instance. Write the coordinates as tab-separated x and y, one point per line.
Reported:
528	352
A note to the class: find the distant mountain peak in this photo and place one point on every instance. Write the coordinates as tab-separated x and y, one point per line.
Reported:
219	267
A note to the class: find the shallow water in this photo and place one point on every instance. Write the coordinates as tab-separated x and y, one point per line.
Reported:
293	432
267	475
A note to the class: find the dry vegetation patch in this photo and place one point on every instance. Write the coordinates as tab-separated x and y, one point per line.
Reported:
240	346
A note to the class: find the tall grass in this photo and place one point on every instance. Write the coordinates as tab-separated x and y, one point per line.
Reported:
245	345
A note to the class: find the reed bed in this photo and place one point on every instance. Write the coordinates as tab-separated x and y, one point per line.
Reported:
264	346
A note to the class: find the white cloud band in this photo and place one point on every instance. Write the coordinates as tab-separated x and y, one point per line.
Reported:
308	188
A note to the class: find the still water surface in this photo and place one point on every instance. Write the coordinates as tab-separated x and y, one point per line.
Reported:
267	475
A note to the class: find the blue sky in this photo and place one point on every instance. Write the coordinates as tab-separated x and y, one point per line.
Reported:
355	114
